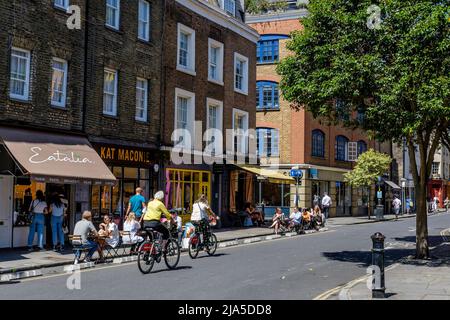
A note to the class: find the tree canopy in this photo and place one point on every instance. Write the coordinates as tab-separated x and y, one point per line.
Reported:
388	60
369	166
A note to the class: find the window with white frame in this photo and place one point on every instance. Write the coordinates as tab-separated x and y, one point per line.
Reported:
184	117
113	13
267	142
214	121
110	92
19	84
186	49
144	20
435	168
141	99
64	4
240	130
215	61
230	6
240	73
59	82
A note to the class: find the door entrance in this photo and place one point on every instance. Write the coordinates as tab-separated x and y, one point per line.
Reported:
6	210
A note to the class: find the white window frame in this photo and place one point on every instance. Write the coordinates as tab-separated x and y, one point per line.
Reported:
219	105
352	151
144	118
190	68
26	91
116	75
64	92
64	6
190	112
244	143
239	57
147	29
218	45
222	6
116	25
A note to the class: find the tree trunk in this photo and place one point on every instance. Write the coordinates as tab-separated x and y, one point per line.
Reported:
422	251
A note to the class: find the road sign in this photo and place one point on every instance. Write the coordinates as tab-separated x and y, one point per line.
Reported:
296	173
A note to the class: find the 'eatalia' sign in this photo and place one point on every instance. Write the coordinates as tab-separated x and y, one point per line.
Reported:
71	157
122	154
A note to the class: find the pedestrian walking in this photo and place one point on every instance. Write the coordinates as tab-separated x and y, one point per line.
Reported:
136	205
38	209
396	204
435	203
57	210
447	203
326	204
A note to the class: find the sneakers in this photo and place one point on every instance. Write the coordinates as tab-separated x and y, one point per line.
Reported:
55	248
30	249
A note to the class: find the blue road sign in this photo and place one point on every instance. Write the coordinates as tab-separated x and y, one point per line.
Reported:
296	173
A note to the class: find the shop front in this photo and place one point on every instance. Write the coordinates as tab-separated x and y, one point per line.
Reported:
54	163
132	167
437	188
183	186
267	188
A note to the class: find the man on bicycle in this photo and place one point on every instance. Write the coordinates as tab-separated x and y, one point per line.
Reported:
199	215
155	211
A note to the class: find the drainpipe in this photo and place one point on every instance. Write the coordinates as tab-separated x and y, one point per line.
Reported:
85	77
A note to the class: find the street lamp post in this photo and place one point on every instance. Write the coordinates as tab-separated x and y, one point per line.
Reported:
297	175
403	182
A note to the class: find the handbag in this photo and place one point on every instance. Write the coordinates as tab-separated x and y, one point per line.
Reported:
248	222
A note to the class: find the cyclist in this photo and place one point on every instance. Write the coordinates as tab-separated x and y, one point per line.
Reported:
199	215
155	211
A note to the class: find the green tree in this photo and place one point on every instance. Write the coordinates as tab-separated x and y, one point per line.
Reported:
369	166
391	63
259	6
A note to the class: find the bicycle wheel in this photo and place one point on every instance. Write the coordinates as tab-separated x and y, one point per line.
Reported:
194	246
211	245
145	258
172	257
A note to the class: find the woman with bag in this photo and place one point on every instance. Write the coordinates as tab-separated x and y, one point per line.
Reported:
38	209
57	209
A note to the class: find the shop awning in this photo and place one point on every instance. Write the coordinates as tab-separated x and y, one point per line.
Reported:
392	184
273	175
56	157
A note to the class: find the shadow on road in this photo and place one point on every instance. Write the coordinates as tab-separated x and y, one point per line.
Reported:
364	258
169	270
433	241
9	282
213	256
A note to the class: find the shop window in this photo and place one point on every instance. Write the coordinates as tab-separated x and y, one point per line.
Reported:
117	171
130	173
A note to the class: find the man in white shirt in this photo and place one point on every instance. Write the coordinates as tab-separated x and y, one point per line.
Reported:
326	204
396	204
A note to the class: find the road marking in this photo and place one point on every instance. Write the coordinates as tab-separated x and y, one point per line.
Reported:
325	295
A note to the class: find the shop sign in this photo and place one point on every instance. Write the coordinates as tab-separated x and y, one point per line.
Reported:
121	154
314	173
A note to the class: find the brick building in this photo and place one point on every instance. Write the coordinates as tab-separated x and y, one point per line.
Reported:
288	138
79	108
209	59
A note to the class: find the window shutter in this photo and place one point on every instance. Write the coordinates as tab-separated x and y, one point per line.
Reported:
352	151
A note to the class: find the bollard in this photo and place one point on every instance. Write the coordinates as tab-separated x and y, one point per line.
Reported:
378	290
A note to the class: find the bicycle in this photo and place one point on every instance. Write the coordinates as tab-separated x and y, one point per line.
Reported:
196	243
150	250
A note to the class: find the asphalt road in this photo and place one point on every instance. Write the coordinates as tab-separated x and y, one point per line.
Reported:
290	268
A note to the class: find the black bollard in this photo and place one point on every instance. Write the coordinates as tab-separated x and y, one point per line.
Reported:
378	290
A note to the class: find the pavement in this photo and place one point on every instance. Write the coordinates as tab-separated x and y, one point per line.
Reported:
289	268
408	279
